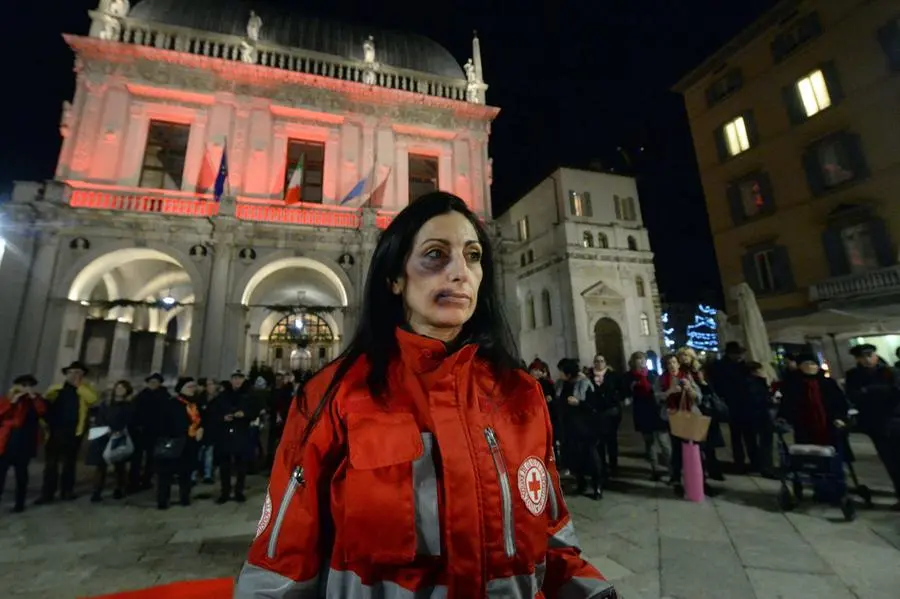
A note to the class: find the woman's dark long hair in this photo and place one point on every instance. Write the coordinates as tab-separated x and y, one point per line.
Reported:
383	311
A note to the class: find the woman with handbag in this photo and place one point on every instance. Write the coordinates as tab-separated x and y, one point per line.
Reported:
710	405
20	413
676	390
116	413
177	448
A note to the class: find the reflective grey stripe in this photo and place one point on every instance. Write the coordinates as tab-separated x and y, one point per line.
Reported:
258	583
294	483
347	585
586	588
509	529
554	506
513	587
565	537
540	571
428	522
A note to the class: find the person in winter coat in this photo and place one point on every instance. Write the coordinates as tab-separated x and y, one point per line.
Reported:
149	416
710	405
181	431
67	414
638	385
607	400
574	391
278	406
730	377
814	405
20	413
230	418
420	463
117	413
676	390
207	398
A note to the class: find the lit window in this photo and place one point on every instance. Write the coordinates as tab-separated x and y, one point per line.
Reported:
814	93
523	228
752	200
834	161
859	248
309	157
164	155
580	204
423	176
587	239
639	287
736	138
645	325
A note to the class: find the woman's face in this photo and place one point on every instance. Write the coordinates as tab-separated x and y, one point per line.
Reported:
120	390
809	368
189	389
441	277
212	388
672	365
685	359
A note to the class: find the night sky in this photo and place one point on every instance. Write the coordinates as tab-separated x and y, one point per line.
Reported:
575	80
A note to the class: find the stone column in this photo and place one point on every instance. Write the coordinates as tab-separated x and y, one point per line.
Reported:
445	170
232	344
159	346
88	130
118	358
196	153
252	351
74	315
184	351
19	253
69	128
214	318
278	165
401	185
112	126
332	167
134	145
198	320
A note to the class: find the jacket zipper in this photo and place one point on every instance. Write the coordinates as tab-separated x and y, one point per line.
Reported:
296	481
509	538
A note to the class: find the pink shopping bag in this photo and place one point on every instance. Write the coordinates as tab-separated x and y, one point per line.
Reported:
693	471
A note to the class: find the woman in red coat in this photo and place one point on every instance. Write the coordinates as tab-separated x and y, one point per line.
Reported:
20	412
420	464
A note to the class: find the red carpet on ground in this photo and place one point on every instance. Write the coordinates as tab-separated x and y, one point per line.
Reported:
217	588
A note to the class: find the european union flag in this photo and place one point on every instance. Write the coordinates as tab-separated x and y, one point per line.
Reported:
219	188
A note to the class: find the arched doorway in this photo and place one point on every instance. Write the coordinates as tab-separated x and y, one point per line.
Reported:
608	341
300	342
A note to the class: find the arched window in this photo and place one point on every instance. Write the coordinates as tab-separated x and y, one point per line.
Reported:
602	240
632	243
645	325
529	312
547	307
587	240
530	256
639	287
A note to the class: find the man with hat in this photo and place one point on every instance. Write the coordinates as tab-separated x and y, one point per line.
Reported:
874	388
150	405
20	413
66	418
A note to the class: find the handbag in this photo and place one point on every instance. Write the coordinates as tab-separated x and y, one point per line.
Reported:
688	425
169	448
118	449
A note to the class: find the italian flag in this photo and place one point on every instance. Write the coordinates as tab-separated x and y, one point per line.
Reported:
292	194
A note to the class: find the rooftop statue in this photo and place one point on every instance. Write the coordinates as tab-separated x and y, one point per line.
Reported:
117	8
369	51
253	26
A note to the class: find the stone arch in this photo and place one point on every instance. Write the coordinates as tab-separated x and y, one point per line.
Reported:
244	288
88	270
609	342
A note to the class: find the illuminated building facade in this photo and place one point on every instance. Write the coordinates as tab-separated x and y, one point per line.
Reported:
127	260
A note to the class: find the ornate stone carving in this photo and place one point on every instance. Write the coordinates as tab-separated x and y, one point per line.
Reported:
253	26
118	8
248	53
111	28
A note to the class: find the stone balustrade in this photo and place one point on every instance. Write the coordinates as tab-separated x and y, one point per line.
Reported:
187	204
876	282
230	47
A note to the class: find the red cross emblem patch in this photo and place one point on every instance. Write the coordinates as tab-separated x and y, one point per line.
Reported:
533	481
266	515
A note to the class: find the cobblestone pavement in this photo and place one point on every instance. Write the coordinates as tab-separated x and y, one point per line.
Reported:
654	546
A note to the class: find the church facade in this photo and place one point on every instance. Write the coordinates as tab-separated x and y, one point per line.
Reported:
130	261
578	270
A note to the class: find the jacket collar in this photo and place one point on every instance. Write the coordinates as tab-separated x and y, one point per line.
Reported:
425	355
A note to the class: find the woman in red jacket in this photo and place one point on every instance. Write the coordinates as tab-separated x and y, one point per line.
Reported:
20	412
420	464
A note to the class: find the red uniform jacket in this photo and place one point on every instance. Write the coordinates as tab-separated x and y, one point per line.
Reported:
14	416
460	503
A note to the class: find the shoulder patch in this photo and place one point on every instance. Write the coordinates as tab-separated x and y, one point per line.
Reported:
533	480
266	516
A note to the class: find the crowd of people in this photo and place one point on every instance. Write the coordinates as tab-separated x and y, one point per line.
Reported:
206	427
201	430
586	407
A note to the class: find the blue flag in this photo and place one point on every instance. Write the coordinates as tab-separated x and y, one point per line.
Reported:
219	188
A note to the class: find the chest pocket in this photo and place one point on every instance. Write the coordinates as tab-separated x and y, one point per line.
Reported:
390	490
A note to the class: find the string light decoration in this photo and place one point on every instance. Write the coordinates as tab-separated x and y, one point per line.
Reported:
667	331
703	333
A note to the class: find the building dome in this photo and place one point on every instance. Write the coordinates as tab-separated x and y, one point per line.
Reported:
286	27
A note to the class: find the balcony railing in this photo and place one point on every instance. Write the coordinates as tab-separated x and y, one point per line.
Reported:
179	203
229	47
876	282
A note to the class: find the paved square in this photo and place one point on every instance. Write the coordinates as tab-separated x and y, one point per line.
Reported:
654	546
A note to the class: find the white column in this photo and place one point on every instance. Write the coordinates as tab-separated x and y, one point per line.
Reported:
118	359
14	271
332	167
445	170
196	153
214	319
184	351
232	346
159	347
402	174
